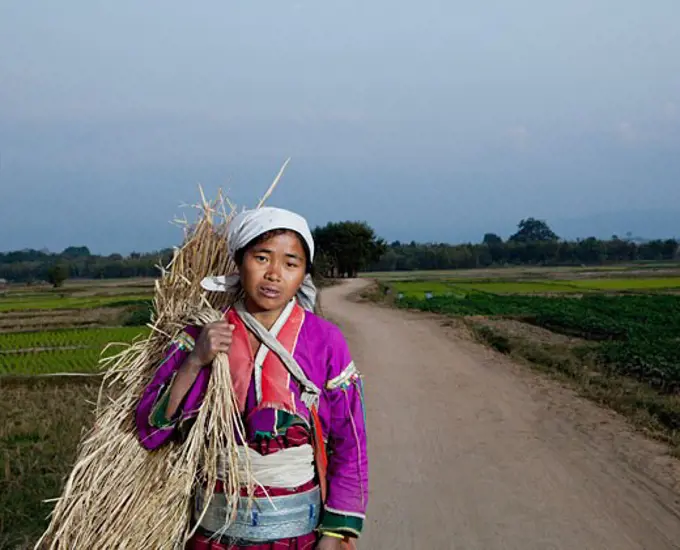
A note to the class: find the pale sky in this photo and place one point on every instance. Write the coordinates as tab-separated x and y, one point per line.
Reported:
431	120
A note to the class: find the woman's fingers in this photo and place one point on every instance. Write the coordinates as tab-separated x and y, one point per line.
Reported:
220	336
221	328
214	338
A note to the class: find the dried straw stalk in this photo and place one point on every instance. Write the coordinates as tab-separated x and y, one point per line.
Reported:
119	495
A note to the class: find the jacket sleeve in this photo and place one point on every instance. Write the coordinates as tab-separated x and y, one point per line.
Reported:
347	475
152	427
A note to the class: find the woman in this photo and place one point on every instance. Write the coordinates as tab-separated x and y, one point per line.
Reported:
308	391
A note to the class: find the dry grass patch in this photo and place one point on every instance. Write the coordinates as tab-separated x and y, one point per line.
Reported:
574	362
40	426
518	329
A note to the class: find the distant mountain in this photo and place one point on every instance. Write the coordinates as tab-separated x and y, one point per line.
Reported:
639	225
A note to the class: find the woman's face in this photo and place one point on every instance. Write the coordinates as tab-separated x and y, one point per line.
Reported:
272	271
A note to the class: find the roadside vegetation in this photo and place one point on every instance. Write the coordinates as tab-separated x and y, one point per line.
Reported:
617	339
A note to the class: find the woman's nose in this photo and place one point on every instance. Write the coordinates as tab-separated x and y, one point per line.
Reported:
274	271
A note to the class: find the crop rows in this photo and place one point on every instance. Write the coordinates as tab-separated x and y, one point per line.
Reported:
91	338
417	289
71	350
41	302
73	360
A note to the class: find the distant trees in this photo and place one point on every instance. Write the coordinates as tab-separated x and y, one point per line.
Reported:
34	265
57	274
491	239
534	243
590	251
345	248
76	252
533	230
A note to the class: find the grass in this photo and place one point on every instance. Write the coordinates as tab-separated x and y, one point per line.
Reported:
418	288
61	351
40	427
42	419
520	287
632	283
54	361
532	272
92	337
52	302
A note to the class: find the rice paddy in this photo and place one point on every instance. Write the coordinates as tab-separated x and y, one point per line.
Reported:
68	351
41	302
45	331
46	337
452	287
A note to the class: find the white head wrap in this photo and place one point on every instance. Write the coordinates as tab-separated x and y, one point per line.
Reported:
249	225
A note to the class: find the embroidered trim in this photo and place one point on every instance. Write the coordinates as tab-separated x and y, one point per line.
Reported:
341	523
353	533
157	414
343	513
350	413
185	341
345	378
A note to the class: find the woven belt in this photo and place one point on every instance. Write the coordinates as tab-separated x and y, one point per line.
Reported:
281	517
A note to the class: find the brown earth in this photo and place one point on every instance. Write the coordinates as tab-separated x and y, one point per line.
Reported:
470	451
19	321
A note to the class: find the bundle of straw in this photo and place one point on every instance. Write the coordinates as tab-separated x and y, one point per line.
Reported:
120	495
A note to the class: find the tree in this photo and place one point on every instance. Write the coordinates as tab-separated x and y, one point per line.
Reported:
345	248
495	252
492	239
533	230
76	252
57	274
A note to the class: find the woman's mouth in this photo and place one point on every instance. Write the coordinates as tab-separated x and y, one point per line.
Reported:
270	292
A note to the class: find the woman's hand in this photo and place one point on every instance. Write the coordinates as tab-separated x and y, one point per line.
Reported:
331	543
214	338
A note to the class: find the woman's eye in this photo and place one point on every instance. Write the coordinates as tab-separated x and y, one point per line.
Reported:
292	265
261	258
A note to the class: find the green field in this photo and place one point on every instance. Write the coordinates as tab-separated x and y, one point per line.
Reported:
444	287
67	350
42	328
44	301
54	332
639	269
94	338
615	284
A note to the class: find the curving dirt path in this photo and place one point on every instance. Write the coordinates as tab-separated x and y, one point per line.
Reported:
469	451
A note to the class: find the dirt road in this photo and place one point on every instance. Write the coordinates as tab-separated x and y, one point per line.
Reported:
471	452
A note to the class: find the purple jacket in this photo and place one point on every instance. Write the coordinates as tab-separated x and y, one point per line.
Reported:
322	352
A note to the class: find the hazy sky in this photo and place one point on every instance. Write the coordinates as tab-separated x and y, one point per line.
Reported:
431	120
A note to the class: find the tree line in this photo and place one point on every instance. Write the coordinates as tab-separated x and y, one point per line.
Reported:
78	262
534	243
346	248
